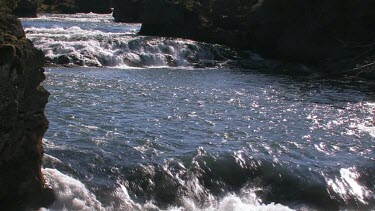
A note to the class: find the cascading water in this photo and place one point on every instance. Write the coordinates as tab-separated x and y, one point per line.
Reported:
87	43
139	128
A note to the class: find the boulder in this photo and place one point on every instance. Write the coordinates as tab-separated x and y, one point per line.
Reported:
22	120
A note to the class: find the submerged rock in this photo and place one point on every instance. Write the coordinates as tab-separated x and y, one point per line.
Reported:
22	120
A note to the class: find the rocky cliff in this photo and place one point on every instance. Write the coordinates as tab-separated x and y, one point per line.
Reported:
336	36
22	120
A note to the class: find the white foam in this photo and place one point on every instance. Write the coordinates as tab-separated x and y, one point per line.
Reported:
347	185
71	194
113	47
232	203
95	48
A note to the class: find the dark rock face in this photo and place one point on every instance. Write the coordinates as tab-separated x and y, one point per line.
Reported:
204	20
75	6
95	6
128	11
26	8
22	120
310	30
319	33
168	18
60	6
334	35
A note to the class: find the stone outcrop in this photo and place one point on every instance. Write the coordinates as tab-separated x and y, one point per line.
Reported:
128	11
335	36
22	120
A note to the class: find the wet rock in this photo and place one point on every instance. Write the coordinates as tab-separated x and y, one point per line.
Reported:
166	187
10	29
133	60
171	61
63	60
22	120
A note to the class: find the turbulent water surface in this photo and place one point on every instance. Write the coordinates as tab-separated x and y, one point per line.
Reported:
95	40
168	136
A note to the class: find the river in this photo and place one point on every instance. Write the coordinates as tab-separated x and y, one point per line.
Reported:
149	123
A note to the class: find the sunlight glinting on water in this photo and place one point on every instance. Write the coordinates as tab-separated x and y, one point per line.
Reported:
127	136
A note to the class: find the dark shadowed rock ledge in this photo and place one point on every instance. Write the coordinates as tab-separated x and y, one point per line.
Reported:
22	120
30	8
335	37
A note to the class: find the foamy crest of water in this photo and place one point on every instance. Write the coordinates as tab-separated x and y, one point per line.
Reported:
76	45
348	187
71	194
232	203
